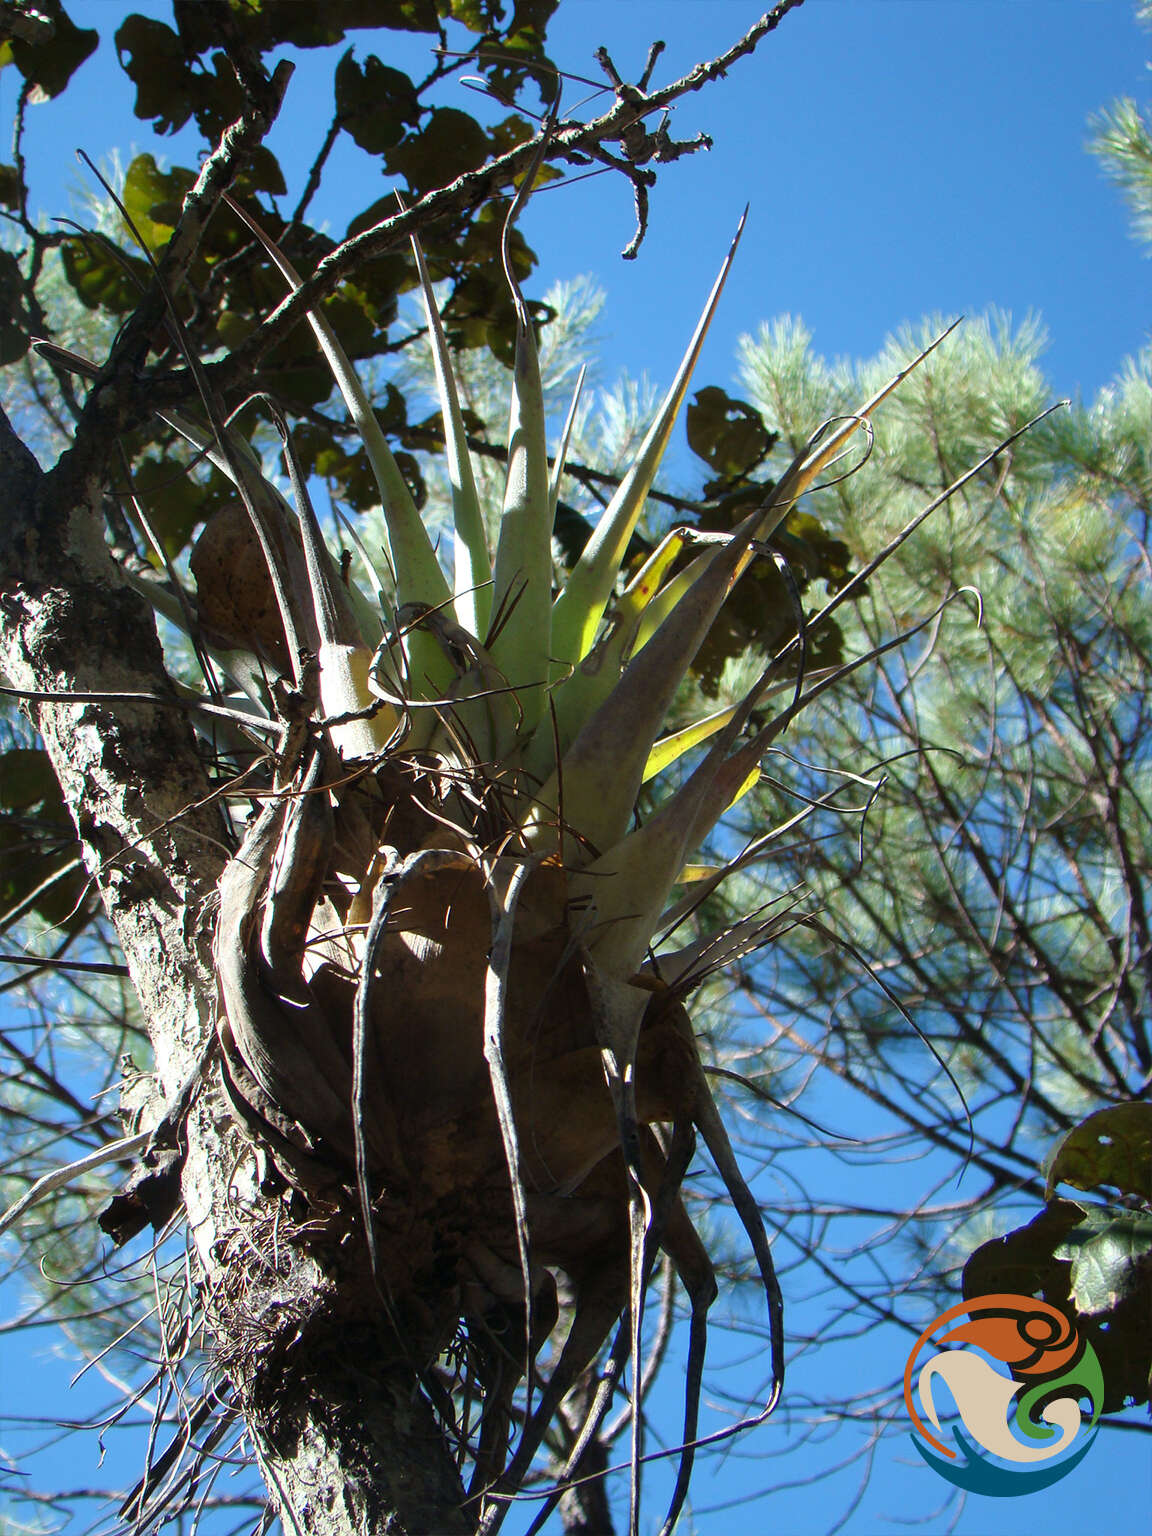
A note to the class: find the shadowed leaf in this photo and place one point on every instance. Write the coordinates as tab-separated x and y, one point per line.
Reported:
375	104
1112	1147
49	63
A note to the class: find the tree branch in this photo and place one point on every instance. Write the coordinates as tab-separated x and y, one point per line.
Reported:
571	141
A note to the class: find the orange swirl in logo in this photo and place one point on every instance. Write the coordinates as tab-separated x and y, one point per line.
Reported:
1031	1337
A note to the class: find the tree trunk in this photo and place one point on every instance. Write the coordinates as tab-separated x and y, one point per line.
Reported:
344	1441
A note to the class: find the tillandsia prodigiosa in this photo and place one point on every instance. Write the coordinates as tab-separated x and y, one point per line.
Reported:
452	1001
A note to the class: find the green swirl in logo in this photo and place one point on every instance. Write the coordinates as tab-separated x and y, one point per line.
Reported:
1049	1370
1085	1379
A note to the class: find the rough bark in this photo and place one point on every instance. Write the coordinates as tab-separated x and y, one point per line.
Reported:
344	1443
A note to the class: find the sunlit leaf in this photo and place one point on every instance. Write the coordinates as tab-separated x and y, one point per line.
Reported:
1110	1252
153	198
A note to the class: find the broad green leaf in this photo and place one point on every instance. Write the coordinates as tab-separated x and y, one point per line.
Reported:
449	144
374	103
304	23
477	15
346	470
103	276
480	310
1112	1147
26	778
729	435
14	322
41	870
146	190
1022	1261
1110	1251
152	56
260	173
509	61
48	65
219	99
176	501
9	186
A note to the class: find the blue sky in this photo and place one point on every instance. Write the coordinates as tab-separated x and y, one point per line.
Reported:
901	157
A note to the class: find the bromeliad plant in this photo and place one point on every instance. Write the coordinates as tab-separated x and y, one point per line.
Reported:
452	1001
